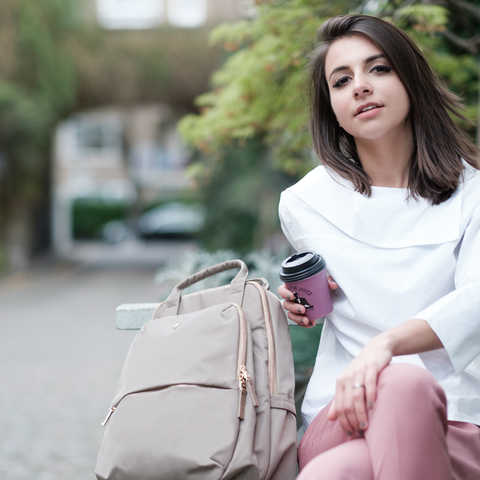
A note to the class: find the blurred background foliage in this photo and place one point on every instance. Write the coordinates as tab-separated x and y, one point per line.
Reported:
241	196
37	87
53	63
248	127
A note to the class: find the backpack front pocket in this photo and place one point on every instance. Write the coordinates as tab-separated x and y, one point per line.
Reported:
192	429
182	394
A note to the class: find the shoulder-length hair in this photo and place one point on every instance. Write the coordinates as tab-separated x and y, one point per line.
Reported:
439	145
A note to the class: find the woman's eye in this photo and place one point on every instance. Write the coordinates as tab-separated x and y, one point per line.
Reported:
340	82
381	69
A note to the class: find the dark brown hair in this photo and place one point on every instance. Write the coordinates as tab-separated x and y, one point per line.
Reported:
439	145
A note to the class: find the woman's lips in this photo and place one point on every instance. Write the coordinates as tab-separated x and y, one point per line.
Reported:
371	112
367	106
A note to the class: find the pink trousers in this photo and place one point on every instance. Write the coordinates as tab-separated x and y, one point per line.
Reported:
408	437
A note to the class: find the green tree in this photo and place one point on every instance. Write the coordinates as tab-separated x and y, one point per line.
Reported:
52	65
260	89
36	88
241	196
448	35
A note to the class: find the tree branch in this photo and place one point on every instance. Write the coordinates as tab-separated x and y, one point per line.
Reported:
469	7
471	45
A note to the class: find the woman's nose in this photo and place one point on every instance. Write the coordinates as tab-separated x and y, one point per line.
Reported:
362	89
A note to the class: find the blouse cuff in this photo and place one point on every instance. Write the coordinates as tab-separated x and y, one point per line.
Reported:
454	319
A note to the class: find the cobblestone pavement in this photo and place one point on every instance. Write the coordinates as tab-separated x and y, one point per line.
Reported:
60	358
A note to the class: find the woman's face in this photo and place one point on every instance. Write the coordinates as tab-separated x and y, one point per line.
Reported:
366	95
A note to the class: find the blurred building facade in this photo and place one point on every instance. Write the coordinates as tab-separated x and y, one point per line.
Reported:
125	14
120	153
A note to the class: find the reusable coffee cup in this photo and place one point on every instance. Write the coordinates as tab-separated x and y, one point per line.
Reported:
305	275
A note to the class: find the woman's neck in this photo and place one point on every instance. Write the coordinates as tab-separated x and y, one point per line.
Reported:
387	160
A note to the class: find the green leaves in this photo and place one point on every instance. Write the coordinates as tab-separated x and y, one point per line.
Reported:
46	69
422	18
261	89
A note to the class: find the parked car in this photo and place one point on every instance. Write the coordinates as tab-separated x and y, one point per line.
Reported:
171	220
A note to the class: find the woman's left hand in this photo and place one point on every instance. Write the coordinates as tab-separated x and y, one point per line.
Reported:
356	388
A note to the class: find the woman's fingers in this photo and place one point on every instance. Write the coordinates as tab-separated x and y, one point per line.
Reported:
296	312
350	411
351	406
361	415
356	388
343	409
332	284
301	320
332	413
285	293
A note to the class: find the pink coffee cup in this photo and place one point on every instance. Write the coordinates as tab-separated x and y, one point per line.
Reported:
305	275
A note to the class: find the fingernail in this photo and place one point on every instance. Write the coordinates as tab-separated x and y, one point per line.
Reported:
305	322
299	310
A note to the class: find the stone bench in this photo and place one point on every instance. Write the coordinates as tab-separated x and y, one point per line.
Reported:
132	316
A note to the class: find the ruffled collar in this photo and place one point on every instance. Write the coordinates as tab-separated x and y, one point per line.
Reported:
387	219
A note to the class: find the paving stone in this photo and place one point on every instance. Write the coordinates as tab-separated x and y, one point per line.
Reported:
60	358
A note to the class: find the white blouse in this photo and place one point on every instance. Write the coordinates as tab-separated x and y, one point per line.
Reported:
394	259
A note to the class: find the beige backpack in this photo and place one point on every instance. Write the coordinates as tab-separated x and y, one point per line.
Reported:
206	391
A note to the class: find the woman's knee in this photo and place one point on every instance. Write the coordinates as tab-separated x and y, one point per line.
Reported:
349	461
404	381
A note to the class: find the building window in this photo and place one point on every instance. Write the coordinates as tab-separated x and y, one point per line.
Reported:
128	14
98	136
187	13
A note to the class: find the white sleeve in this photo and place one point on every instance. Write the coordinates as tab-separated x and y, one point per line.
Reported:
455	317
287	221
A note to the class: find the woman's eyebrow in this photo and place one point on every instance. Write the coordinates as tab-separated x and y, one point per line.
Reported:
368	60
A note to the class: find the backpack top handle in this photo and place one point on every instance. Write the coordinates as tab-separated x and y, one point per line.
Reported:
237	285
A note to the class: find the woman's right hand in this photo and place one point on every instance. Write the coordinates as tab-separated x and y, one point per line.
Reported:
296	312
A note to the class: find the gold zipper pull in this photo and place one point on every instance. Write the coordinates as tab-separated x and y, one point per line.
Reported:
242	384
246	385
109	414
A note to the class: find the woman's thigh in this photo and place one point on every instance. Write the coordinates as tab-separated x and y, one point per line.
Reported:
348	461
463	440
321	435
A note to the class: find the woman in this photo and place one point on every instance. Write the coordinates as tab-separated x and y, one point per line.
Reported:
395	212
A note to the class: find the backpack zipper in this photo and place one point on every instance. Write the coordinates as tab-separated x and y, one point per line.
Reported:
244	380
272	365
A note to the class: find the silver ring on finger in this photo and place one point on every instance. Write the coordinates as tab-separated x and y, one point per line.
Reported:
358	385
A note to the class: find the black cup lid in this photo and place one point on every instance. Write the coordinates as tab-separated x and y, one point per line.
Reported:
301	265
